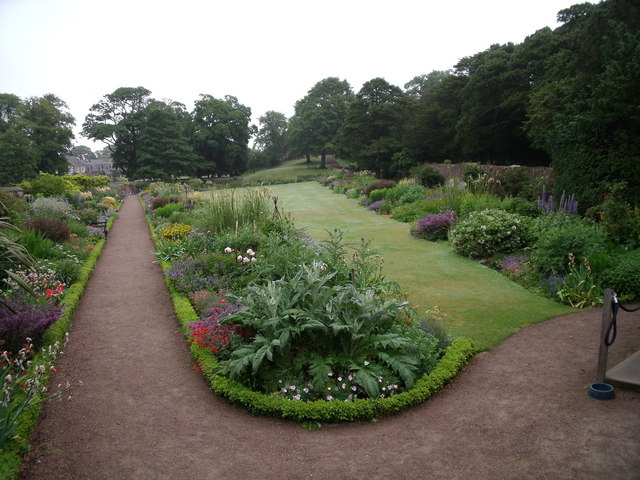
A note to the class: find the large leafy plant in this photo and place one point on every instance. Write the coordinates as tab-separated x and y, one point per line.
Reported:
305	325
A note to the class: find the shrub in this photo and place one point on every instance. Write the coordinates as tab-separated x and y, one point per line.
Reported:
158	202
20	319
405	193
54	208
55	230
377	195
521	206
472	171
624	275
87	215
488	232
558	235
428	176
379	185
621	222
49	185
434	227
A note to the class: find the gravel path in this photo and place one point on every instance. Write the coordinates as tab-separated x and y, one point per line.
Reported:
518	412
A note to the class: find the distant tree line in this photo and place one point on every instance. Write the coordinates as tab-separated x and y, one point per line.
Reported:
565	97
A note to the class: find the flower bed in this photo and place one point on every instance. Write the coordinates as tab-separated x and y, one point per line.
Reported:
318	340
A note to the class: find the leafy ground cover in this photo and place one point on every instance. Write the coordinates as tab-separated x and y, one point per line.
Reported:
472	300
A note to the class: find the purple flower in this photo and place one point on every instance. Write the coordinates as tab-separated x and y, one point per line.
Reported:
434	226
20	319
375	206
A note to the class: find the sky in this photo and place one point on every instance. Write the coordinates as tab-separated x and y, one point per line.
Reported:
266	53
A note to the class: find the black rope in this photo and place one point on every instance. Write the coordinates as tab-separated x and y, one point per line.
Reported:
612	331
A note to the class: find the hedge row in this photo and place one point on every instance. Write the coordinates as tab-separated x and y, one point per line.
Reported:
10	457
455	357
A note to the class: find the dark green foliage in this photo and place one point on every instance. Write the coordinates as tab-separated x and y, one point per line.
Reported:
54	230
118	120
318	118
373	130
522	207
429	177
623	276
471	171
584	109
618	218
164	150
558	235
220	135
88	215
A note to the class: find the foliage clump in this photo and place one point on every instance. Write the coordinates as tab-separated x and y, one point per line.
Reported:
488	232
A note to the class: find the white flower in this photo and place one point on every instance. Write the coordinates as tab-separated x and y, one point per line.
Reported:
239	257
366	363
228	250
253	259
250	252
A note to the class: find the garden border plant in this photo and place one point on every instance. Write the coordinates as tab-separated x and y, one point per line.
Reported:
11	455
313	414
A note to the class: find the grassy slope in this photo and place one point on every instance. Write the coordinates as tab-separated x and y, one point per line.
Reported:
288	170
480	303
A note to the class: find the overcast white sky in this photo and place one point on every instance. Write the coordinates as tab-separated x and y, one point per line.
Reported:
267	53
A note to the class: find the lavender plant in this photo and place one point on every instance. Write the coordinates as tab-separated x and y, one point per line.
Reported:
20	319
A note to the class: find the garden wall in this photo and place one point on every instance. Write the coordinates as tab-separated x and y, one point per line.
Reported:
455	171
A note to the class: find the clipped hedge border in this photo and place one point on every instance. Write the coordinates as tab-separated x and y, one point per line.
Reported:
455	357
11	455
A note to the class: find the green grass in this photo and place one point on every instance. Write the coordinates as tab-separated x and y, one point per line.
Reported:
289	170
479	302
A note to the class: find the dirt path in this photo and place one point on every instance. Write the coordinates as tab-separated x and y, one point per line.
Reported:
520	411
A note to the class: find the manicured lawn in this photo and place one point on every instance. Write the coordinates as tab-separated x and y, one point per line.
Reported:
479	302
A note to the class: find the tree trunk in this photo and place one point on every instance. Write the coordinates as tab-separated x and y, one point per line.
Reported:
323	160
308	158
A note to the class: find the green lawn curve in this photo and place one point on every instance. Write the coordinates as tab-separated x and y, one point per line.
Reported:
480	303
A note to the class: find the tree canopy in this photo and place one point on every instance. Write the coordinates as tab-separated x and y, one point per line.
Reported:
35	136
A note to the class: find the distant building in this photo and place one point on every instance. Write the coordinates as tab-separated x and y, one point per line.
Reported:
91	167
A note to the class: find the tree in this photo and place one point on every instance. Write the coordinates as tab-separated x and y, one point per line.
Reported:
17	158
431	132
271	137
585	111
375	125
117	121
83	151
35	135
50	132
319	116
164	149
220	134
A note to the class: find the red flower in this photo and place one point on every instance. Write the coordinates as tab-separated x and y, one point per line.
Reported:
49	293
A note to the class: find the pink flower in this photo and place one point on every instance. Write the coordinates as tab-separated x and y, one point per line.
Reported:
329	397
245	260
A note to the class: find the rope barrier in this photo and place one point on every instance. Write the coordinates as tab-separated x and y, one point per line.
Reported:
612	330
